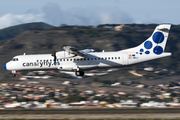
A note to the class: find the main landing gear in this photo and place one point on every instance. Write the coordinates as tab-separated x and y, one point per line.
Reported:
79	73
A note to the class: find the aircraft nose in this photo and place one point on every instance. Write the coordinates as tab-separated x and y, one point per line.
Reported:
4	66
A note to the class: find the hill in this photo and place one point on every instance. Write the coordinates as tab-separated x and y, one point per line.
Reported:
10	32
102	37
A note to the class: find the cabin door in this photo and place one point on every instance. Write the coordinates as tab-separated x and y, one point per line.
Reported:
125	59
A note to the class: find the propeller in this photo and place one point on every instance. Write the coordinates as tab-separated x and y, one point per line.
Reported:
54	55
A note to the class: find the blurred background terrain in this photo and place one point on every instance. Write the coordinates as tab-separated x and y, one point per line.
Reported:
41	38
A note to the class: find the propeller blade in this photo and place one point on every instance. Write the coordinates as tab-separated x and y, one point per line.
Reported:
54	55
55	58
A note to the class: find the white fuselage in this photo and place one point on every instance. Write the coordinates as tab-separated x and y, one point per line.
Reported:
80	60
66	62
70	63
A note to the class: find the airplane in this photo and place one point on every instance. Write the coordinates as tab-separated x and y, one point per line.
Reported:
72	59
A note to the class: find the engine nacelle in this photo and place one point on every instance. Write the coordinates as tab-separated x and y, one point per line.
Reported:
65	67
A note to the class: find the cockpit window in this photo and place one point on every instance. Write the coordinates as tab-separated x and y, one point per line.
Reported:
15	59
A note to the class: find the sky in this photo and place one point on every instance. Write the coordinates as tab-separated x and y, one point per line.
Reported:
89	12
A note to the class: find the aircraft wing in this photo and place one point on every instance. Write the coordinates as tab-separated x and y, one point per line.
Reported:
74	51
87	51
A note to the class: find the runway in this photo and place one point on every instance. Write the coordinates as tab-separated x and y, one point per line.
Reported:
91	111
156	116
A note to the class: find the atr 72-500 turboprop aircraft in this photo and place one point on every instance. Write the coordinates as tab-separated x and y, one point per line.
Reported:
79	61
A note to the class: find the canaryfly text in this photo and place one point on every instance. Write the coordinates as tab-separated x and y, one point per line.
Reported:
40	64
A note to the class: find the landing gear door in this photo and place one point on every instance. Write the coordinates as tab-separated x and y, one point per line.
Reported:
125	59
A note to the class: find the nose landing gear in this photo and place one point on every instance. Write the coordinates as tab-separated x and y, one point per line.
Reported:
14	73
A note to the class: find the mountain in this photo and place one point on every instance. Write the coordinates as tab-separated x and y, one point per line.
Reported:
10	32
45	39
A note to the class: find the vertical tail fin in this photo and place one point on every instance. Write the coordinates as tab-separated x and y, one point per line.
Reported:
155	44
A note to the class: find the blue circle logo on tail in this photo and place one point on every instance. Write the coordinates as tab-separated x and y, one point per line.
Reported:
158	50
141	50
158	37
148	44
147	52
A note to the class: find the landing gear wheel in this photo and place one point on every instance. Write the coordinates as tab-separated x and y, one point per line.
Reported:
14	75
79	73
